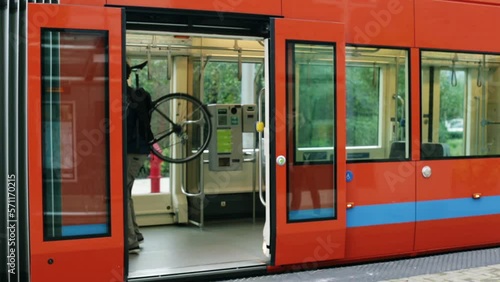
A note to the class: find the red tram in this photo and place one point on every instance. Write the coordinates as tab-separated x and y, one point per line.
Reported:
378	135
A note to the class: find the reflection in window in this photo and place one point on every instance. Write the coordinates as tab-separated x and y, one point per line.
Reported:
459	104
314	106
311	131
377	103
75	137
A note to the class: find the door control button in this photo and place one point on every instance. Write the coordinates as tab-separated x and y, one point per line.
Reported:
281	160
426	171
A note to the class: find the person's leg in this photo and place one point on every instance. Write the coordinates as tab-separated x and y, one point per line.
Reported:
133	222
135	163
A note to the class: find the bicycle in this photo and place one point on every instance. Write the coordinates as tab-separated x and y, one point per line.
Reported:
182	128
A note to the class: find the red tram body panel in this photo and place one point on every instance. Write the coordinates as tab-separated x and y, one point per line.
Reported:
390	207
51	259
433	31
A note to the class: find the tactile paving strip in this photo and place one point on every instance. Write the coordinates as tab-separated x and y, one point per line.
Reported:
392	269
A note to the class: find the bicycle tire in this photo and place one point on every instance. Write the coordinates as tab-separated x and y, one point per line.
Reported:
177	123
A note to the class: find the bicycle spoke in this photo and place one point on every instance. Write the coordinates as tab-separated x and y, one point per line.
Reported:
195	111
164	116
191	117
163	136
178	142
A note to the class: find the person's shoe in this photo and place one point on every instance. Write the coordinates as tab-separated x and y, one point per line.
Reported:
140	238
134	250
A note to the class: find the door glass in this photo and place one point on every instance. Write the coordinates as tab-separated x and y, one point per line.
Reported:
311	130
75	134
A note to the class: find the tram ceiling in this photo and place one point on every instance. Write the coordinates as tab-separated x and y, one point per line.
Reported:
160	45
457	59
197	22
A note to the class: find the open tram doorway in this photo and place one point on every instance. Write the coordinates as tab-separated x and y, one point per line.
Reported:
205	214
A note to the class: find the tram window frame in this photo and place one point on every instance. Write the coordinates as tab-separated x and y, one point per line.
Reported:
57	222
388	118
479	102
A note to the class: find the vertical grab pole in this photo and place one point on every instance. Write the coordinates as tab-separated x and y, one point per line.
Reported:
254	167
202	181
478	122
396	105
259	106
202	157
484	119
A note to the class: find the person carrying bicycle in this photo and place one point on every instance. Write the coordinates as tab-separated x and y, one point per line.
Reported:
139	137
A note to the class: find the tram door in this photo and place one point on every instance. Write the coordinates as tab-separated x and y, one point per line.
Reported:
309	147
75	137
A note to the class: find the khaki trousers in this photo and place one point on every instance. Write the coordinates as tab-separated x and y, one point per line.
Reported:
134	162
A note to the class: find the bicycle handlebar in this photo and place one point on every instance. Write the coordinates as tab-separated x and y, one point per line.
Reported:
137	68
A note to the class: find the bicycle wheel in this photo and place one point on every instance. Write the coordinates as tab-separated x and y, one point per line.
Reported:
181	128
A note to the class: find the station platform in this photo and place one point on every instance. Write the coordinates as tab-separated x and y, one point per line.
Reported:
142	186
476	265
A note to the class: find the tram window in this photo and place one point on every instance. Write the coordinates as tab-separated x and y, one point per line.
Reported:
222	84
311	128
75	137
376	103
153	78
459	98
313	103
363	105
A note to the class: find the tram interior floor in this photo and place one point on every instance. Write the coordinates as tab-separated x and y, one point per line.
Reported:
174	249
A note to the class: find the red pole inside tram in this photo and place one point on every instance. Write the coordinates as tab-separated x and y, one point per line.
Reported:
154	172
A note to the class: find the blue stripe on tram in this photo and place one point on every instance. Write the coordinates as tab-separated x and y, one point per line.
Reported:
311	214
394	213
422	211
85	229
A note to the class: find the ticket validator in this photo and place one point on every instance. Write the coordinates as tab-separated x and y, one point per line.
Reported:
229	122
